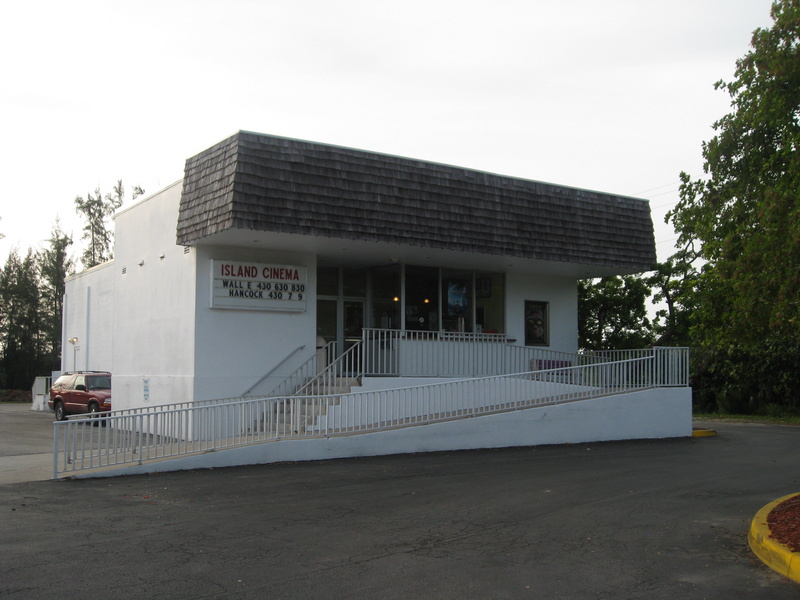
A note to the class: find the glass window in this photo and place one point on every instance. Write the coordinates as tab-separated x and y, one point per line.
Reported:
537	326
328	281
490	302
386	298
354	282
457	301
422	298
326	319
99	382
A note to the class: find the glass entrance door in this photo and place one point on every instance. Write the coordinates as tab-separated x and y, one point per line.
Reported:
340	321
327	320
353	322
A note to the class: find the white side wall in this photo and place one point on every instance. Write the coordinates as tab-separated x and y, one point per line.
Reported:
153	332
562	296
236	348
88	316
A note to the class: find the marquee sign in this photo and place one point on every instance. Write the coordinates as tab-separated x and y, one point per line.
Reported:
256	286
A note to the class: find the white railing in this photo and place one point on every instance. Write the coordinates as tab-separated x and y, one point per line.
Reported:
309	370
390	352
342	372
158	433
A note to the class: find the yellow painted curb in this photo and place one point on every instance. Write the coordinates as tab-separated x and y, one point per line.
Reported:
772	553
703	432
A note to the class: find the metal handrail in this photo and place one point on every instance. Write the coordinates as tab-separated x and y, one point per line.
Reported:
171	432
349	365
305	372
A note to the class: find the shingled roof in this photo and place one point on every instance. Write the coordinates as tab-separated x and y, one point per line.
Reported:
266	183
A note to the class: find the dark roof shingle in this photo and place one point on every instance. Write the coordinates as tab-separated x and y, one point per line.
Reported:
268	183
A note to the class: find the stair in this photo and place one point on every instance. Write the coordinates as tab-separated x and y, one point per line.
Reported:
283	423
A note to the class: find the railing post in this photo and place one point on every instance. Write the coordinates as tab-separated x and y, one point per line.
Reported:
55	451
658	367
141	435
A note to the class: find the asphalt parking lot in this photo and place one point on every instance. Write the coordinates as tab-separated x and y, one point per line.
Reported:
641	519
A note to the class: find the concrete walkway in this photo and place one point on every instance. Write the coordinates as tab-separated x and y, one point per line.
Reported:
26	443
644	519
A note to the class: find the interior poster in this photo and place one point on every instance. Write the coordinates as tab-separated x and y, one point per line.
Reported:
457	298
258	286
536	330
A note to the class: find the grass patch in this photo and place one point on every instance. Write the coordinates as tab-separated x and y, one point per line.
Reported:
773	420
15	396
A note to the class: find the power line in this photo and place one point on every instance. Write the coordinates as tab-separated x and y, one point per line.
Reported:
663	194
657	188
674	202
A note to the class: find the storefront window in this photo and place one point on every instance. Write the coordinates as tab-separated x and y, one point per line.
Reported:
422	298
436	299
490	302
326	320
327	281
457	301
385	313
354	283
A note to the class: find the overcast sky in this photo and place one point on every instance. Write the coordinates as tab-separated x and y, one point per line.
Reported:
609	95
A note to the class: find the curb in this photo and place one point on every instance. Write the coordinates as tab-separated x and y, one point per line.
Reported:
772	553
703	432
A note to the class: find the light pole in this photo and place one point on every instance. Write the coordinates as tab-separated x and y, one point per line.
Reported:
74	342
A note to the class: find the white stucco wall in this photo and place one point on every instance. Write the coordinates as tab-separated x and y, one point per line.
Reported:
88	315
649	414
561	294
236	348
153	332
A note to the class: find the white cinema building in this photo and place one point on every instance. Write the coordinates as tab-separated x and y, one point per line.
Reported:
276	255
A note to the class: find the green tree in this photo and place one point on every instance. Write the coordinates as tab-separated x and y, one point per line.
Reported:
55	265
673	284
97	210
745	217
612	313
744	220
21	341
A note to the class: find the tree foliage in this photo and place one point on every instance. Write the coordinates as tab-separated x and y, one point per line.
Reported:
20	321
55	265
612	313
742	222
97	210
673	284
744	217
